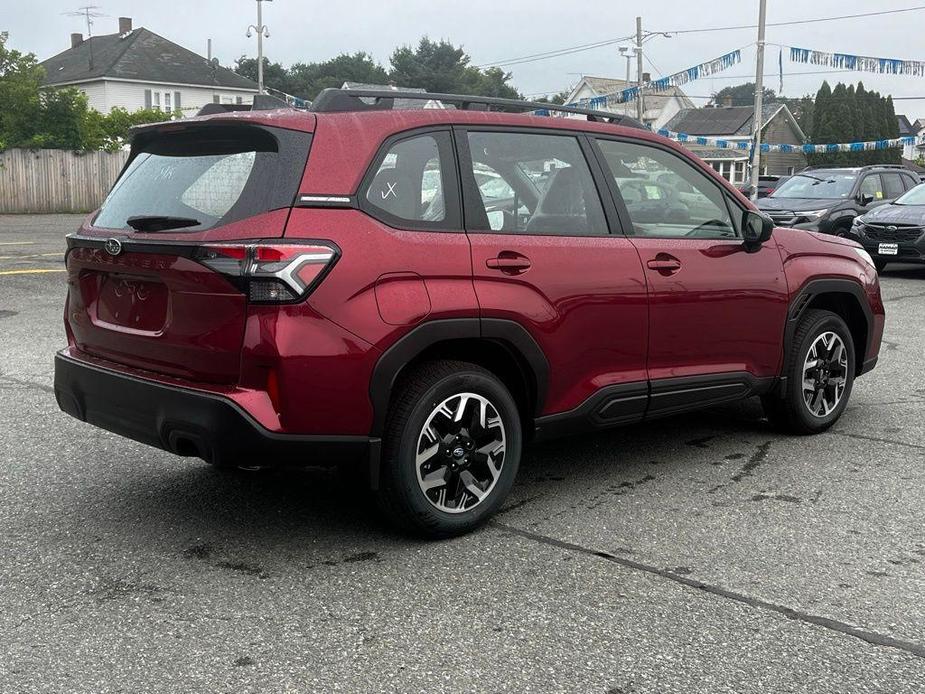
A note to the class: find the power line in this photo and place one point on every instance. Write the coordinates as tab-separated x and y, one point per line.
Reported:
555	53
796	22
608	42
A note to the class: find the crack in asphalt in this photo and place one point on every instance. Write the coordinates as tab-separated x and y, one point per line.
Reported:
25	384
871	637
879	440
903	296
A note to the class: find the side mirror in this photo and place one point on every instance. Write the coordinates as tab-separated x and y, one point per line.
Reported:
756	229
864	200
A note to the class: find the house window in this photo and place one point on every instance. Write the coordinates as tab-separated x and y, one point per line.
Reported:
739	172
157	101
167	105
239	99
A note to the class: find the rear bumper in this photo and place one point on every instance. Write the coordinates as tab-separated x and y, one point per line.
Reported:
189	422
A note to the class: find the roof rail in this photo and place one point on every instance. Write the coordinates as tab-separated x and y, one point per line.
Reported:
860	168
351	100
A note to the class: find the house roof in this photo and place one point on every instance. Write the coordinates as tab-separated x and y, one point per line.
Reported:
138	55
905	126
727	121
654	101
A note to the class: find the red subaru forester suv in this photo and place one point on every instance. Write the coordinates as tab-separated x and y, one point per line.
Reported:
422	291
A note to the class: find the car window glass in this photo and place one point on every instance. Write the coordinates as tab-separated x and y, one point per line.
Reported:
409	182
872	186
817	185
664	195
535	184
892	185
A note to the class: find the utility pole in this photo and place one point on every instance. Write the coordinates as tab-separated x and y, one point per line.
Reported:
263	32
640	108
759	97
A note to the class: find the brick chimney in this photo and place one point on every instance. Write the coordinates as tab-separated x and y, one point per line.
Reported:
125	25
76	40
727	102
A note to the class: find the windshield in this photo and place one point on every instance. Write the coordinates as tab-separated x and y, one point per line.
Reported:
824	185
916	196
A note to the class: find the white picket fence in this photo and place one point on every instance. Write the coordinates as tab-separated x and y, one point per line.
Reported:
56	180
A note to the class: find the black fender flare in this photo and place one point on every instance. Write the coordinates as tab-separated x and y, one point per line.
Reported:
510	333
815	288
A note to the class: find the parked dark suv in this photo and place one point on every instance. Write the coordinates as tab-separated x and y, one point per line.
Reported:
829	199
894	232
422	292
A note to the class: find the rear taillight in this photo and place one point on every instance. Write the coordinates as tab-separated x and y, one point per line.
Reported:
270	273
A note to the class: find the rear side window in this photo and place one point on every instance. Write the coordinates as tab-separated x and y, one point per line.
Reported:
202	178
413	185
892	185
532	183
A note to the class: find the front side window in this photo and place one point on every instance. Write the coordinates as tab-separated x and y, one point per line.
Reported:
408	185
665	196
532	183
872	186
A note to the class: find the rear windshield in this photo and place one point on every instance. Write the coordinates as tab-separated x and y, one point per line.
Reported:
205	177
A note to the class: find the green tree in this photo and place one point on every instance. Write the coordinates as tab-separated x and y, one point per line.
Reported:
307	79
743	95
558	99
20	79
439	66
275	76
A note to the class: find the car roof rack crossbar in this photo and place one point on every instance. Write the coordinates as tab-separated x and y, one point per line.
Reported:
352	100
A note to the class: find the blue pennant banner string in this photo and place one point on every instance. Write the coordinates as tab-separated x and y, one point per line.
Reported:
859	63
745	144
711	67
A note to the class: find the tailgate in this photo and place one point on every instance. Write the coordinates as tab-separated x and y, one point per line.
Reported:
140	291
153	307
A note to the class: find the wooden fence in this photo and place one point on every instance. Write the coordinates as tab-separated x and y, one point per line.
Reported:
56	180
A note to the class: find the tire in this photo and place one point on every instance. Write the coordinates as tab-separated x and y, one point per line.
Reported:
802	411
880	264
442	505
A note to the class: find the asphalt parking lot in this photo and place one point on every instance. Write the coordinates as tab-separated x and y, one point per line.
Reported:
699	554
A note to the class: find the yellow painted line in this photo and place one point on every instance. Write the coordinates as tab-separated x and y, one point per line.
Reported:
31	272
17	243
37	255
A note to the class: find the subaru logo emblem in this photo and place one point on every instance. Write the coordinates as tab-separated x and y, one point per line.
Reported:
113	246
459	452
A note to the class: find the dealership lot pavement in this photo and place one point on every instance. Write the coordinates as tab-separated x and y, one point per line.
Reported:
699	554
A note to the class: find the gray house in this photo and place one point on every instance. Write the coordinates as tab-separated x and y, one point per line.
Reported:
137	68
734	123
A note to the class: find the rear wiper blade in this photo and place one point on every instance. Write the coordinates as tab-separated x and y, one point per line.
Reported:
154	222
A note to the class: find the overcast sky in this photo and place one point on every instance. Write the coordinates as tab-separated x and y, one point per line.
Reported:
498	30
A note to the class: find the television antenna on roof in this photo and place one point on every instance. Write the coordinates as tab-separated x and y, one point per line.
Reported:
88	12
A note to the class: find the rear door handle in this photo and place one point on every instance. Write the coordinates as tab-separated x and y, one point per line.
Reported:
665	264
509	263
